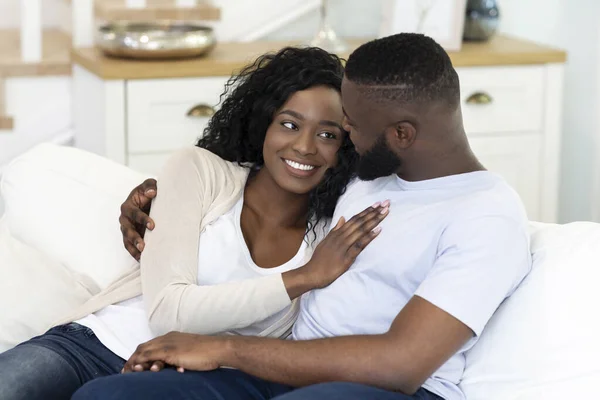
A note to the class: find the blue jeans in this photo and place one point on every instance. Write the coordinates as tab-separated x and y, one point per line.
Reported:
226	384
55	364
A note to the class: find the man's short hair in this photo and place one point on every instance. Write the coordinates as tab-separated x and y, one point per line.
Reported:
407	67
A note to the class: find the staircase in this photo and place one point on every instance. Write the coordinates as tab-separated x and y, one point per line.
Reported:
35	62
54	60
32	50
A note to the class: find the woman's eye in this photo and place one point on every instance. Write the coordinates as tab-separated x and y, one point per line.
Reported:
327	135
289	125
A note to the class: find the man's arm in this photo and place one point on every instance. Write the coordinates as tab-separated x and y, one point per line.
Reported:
480	262
421	338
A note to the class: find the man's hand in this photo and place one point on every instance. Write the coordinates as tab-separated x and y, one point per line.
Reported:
182	350
421	339
134	217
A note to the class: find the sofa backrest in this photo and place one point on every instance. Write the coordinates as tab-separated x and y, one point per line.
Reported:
60	241
542	343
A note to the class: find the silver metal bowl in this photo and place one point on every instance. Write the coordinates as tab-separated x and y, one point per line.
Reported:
155	40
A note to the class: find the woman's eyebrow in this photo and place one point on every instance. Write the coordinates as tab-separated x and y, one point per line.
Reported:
331	123
301	117
293	114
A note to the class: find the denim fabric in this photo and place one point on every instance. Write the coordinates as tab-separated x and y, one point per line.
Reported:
55	364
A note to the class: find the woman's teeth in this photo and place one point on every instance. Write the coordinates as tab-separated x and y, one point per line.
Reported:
302	167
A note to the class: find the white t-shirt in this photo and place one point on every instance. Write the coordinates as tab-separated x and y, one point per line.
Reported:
460	242
223	256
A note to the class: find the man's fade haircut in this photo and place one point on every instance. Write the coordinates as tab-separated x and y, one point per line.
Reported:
406	68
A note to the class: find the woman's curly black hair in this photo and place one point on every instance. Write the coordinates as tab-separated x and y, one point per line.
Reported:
236	132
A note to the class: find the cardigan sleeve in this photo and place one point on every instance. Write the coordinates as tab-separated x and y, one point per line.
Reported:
193	183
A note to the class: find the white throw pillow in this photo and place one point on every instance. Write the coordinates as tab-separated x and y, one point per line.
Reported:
59	239
35	291
65	202
543	342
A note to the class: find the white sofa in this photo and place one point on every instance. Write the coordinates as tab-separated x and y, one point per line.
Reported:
60	244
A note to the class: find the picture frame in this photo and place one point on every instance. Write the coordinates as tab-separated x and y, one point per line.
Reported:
442	20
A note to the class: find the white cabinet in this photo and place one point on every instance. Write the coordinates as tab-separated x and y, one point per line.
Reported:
511	115
512	118
157	112
517	159
502	99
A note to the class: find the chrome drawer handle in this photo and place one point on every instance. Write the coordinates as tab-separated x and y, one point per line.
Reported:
479	98
201	111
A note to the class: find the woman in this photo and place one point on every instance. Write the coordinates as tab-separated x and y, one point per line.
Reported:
237	219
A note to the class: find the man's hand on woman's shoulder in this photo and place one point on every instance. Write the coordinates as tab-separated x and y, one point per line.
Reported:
135	217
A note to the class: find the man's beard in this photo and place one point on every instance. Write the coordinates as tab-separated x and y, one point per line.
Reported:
378	161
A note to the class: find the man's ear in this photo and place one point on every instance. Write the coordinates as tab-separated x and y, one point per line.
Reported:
401	135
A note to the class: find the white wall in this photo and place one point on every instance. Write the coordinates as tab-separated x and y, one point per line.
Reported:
295	19
560	23
53	13
573	26
349	18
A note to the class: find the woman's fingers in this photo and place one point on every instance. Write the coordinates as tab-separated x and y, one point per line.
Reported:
339	224
362	243
365	226
351	224
357	222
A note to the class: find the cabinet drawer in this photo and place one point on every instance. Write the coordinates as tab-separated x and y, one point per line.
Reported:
157	109
502	99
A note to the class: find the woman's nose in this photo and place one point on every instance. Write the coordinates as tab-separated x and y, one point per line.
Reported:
305	143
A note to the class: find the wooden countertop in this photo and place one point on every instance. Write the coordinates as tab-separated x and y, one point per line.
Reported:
227	58
503	50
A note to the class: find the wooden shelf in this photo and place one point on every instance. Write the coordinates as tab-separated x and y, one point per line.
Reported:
56	59
227	58
113	10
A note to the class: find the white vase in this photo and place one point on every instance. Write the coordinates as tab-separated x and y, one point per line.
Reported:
326	37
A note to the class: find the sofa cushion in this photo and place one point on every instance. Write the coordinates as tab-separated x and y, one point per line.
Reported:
35	290
542	343
60	241
65	203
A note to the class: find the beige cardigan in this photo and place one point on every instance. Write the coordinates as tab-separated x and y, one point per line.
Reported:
195	188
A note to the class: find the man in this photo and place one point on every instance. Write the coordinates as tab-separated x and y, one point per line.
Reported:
398	323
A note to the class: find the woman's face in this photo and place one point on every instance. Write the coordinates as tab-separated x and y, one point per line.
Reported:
302	142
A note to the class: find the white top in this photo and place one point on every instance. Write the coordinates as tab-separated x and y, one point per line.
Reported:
460	242
206	187
223	256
